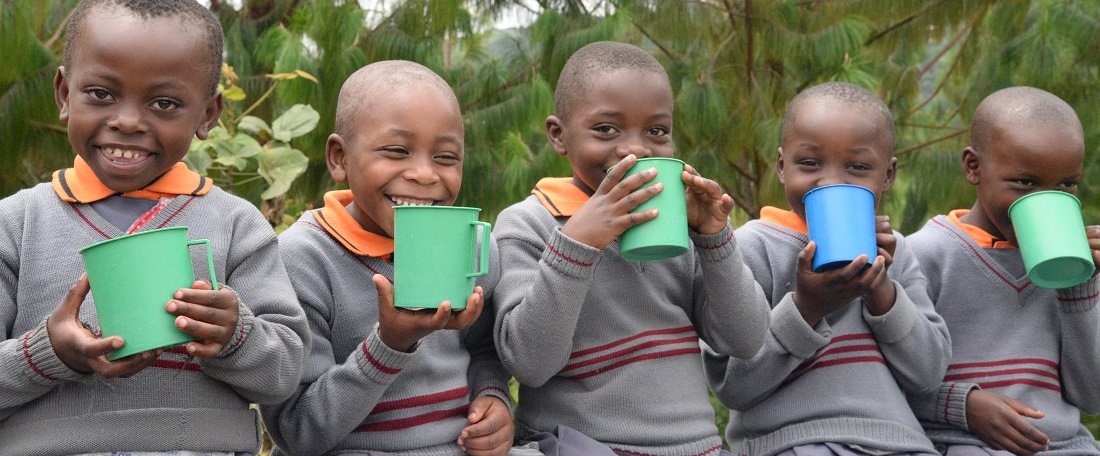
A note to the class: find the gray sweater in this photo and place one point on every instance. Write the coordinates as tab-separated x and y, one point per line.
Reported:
843	381
177	403
610	347
1036	345
358	394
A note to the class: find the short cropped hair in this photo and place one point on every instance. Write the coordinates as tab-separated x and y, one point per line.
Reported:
598	58
363	87
1019	106
844	92
189	11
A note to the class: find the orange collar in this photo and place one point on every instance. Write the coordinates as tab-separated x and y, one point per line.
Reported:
79	184
784	218
559	196
336	220
980	236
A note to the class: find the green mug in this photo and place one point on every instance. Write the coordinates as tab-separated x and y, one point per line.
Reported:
133	277
1051	235
667	235
437	255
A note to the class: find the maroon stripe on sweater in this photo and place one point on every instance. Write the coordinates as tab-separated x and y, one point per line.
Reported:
565	257
1021	381
783	232
825	351
1080	298
377	364
1004	362
712	450
999	373
413	421
981	258
639	358
418	401
947	403
30	362
652	332
177	212
89	222
627	351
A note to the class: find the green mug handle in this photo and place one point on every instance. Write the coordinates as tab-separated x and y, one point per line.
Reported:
209	260
486	229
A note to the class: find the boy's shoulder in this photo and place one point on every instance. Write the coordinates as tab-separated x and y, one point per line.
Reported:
523	216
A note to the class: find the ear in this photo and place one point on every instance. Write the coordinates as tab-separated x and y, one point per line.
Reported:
891	173
971	164
779	164
210	116
335	157
61	94
554	132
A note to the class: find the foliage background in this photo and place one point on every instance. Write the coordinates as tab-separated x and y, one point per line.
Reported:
733	65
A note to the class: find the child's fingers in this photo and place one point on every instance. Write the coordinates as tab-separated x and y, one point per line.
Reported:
806	257
207	332
221	299
853	269
1023	409
70	305
385	291
474	306
93	348
127	366
616	173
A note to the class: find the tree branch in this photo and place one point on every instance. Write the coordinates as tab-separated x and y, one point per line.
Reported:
663	49
933	141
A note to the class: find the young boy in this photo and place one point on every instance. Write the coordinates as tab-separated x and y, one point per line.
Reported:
600	345
138	83
845	344
381	379
1025	359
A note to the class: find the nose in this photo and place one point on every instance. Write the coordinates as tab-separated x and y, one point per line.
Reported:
421	171
633	147
831	178
128	119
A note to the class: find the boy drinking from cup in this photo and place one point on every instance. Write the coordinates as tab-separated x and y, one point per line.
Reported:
138	83
845	344
1025	359
601	346
380	379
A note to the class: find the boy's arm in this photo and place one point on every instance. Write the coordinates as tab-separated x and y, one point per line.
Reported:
730	311
788	340
1080	347
263	359
913	338
544	281
334	396
944	405
486	375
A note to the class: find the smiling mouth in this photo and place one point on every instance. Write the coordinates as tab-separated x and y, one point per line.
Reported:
122	156
407	201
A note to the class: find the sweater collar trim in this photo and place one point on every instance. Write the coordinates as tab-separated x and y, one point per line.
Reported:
79	184
559	196
980	236
336	220
784	218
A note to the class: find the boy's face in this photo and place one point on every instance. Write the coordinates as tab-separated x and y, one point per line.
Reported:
621	113
135	93
834	142
407	149
1021	161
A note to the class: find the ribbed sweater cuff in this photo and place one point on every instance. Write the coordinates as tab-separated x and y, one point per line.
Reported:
497	392
1080	298
40	362
245	320
572	258
794	333
379	362
714	247
951	403
897	322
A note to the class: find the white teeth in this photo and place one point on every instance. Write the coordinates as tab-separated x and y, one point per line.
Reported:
121	153
402	201
127	154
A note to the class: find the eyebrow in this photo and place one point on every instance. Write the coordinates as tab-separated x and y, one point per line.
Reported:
407	134
159	86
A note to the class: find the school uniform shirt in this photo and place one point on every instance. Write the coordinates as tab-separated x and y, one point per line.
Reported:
843	381
610	347
1036	345
357	394
178	402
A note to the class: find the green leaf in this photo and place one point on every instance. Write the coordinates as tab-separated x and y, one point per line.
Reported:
296	121
253	125
280	166
233	93
197	158
234	151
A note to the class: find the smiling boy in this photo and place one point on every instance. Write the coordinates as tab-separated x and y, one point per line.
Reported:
138	83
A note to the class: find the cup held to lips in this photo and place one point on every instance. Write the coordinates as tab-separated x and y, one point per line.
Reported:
133	277
1050	232
841	221
667	235
439	251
